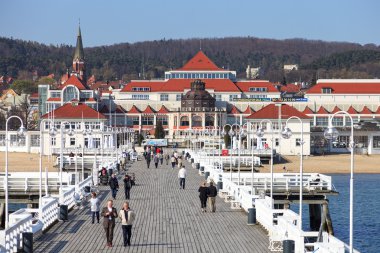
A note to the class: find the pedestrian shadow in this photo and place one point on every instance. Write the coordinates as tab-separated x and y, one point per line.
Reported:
76	226
53	247
169	245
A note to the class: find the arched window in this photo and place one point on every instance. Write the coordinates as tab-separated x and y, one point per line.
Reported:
70	93
185	121
209	121
197	121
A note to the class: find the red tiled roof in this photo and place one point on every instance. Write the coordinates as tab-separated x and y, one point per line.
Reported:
290	88
271	111
163	110
200	62
351	110
377	111
34	95
53	99
245	86
234	110
365	110
249	110
179	85
322	110
336	109
74	111
148	110
134	109
307	110
120	109
354	87
74	80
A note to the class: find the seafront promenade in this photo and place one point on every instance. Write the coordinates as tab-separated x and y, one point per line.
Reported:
168	219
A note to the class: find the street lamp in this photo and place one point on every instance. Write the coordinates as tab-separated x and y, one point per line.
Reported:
286	134
260	133
21	132
332	134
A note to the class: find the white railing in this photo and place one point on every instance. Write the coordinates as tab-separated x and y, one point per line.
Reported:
28	182
281	224
18	223
50	211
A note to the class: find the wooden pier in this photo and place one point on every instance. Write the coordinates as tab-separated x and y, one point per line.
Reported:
168	219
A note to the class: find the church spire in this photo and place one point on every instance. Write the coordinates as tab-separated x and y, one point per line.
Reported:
78	53
78	59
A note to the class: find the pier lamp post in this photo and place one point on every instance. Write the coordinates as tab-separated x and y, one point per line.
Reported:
260	134
225	133
233	133
21	132
286	134
331	133
52	132
242	133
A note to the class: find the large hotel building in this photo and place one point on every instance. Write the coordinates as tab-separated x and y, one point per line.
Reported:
200	95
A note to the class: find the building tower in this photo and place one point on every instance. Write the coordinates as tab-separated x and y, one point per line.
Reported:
78	60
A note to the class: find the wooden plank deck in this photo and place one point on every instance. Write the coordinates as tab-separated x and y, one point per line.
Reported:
168	219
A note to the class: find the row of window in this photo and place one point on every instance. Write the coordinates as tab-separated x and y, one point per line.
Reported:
140	88
200	75
258	89
75	125
140	97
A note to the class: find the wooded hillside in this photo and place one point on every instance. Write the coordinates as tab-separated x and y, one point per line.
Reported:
317	59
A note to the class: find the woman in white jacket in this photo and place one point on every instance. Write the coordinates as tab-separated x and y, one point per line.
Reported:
127	217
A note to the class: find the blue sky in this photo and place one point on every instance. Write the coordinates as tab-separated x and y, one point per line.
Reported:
106	22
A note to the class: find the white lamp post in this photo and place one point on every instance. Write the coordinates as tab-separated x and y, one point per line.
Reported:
260	134
286	134
331	134
20	132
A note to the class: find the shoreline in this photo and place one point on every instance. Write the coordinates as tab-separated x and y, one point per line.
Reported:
328	164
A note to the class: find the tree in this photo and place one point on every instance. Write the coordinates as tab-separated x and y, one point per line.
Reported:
24	86
159	132
227	138
140	139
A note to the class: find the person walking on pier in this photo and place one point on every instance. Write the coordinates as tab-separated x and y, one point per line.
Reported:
95	207
212	192
173	161
203	192
167	158
127	217
109	213
179	162
156	160
182	177
148	158
114	185
161	157
127	186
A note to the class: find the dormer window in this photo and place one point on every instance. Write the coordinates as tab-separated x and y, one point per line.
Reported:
140	89
326	90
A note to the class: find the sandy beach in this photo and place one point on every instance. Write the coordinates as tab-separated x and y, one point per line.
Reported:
25	162
328	164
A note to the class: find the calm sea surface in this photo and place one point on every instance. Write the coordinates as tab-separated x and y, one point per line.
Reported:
366	211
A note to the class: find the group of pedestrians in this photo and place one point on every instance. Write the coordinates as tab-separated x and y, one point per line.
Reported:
207	194
127	217
154	153
110	214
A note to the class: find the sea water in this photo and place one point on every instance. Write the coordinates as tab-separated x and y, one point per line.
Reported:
366	211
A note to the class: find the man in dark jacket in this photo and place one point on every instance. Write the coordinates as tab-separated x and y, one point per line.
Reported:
148	158
127	186
109	214
212	192
114	185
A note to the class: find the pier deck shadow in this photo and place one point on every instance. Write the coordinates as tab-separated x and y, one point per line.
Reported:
168	219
